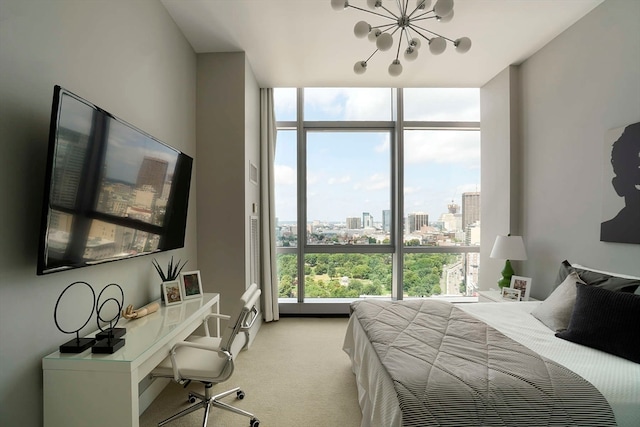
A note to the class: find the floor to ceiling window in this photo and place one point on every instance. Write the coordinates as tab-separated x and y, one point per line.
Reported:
377	193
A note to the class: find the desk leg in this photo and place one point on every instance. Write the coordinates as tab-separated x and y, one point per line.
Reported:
89	398
217	311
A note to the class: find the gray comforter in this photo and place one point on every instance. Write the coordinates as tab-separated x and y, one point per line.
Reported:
451	369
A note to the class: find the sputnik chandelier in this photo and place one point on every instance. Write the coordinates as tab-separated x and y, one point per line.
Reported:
406	21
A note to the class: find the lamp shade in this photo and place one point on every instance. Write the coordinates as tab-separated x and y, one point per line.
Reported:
509	247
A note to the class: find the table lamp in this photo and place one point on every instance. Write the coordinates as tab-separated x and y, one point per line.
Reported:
508	248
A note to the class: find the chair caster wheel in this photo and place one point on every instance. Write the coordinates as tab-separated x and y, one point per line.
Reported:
254	423
191	399
240	395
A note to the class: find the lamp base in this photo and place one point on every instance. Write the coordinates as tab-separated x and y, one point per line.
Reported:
507	272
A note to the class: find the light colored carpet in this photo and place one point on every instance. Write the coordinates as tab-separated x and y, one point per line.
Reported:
294	374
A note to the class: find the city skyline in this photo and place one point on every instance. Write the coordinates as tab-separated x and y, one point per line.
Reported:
349	172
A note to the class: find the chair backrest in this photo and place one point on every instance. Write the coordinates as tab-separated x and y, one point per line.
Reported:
238	317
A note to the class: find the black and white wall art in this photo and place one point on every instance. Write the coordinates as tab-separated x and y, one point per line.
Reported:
621	186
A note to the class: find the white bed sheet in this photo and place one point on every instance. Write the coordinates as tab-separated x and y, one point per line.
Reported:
377	396
617	379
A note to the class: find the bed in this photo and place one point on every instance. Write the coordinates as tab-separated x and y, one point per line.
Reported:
430	362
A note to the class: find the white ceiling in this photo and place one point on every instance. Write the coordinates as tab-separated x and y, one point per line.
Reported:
305	43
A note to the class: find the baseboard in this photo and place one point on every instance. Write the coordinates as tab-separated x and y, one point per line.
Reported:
316	315
151	392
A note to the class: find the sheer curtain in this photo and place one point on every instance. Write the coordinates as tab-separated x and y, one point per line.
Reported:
267	206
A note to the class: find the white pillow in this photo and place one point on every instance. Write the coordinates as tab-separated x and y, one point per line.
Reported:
555	311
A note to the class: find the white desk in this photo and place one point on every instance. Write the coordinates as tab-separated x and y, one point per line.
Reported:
87	389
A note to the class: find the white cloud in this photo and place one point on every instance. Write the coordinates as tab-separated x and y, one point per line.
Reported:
340	180
373	183
284	175
284	102
442	147
467	188
383	147
368	104
442	104
412	190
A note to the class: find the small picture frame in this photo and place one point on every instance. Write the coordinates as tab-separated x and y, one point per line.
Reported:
191	284
511	294
172	292
523	284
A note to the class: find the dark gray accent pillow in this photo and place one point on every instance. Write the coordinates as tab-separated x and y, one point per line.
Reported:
605	320
602	280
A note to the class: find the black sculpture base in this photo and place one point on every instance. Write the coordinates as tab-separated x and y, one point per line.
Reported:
111	333
108	346
77	345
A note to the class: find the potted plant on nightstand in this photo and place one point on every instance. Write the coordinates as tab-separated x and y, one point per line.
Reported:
173	270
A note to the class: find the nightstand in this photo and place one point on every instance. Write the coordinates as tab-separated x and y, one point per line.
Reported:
494	295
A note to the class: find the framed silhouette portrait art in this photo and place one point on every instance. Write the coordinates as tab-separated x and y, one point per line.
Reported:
621	186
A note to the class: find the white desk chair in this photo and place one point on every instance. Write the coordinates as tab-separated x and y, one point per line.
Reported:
210	359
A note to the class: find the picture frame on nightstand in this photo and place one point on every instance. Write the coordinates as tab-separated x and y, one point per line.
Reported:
523	284
510	294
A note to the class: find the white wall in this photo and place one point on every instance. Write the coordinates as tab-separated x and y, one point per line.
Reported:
583	83
228	138
499	106
125	56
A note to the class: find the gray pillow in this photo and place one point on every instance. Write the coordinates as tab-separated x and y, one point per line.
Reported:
598	278
555	311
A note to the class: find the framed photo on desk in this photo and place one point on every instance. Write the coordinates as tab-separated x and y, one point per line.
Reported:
172	292
191	284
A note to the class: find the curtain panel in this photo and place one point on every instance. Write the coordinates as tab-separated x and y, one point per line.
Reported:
269	278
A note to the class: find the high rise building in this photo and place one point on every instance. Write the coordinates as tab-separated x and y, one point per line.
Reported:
417	220
153	172
353	223
470	209
367	220
386	220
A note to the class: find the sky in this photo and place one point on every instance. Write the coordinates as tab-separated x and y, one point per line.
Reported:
348	173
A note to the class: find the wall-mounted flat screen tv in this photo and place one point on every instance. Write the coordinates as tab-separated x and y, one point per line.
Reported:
111	190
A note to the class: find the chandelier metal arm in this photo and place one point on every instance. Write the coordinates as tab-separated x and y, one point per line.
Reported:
424	16
371	56
374	13
400	42
402	8
410	15
425	13
390	13
413	27
385	27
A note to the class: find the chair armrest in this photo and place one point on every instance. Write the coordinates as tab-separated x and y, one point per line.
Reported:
254	312
205	321
219	316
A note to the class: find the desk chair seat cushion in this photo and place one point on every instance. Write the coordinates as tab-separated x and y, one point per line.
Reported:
197	364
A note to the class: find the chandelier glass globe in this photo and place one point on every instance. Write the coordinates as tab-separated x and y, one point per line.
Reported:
395	69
